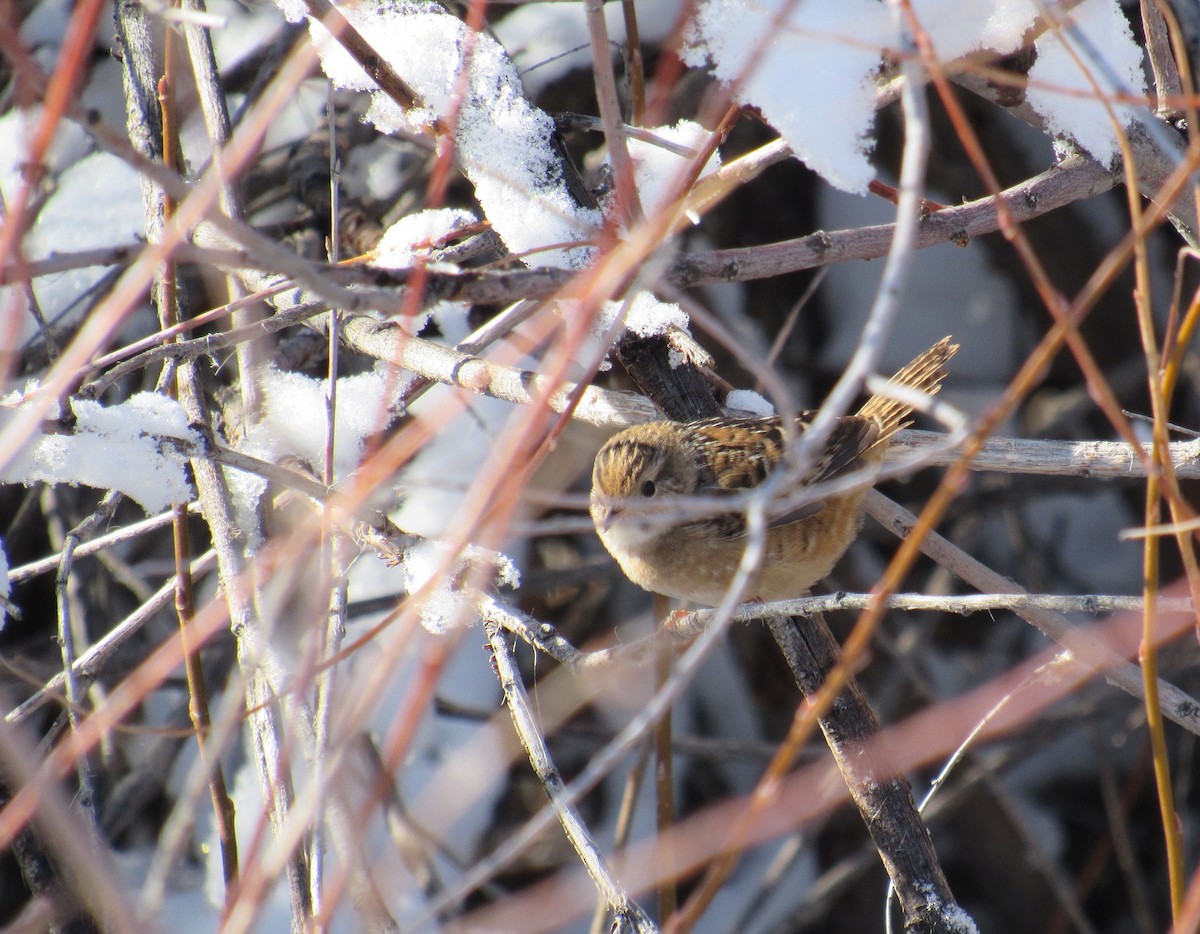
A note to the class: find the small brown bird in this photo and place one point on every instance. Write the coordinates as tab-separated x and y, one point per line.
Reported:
642	470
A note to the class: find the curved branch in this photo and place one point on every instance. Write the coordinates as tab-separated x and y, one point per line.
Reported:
1074	179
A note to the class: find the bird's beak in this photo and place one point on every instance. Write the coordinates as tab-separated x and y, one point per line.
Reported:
605	515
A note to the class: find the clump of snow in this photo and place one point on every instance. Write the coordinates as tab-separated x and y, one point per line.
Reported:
433	485
294	11
956	28
811	68
646	316
1059	90
116	447
656	169
293	424
1081	116
746	400
97	203
811	73
415	234
446	606
452	320
294	421
503	143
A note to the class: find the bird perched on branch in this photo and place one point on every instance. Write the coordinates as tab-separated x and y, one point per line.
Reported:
643	475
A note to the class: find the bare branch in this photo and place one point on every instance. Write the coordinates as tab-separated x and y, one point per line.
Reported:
627	912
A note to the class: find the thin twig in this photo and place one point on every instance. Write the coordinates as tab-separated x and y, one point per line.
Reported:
68	625
1153	165
664	776
87	870
332	565
628	207
877	786
494	612
634	779
199	346
64	261
168	381
34	568
626	910
883	797
1167	86
89	665
1177	705
1075	178
252	355
1106	460
961	604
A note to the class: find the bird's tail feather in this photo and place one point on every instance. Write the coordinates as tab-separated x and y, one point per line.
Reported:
925	373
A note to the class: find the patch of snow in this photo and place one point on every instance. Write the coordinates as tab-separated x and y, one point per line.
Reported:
115	448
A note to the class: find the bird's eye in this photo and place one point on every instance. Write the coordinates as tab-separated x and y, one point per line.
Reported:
648	488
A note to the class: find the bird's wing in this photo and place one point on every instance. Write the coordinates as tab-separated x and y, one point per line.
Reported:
738	454
852	435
